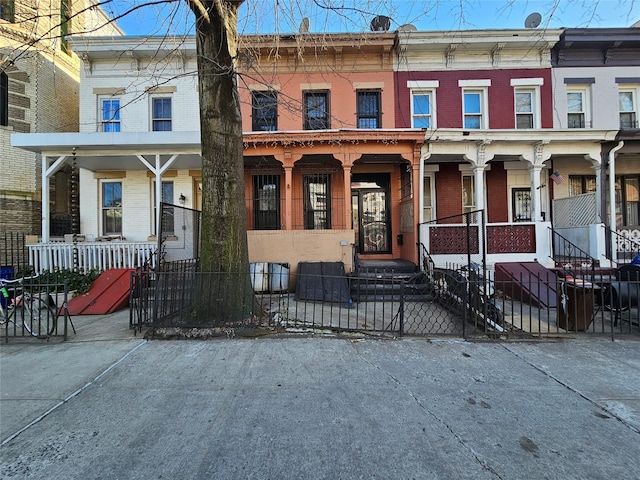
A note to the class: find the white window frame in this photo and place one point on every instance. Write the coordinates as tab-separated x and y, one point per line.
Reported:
586	104
171	200
103	208
431	196
532	87
421	88
635	96
153	119
102	121
469	207
481	87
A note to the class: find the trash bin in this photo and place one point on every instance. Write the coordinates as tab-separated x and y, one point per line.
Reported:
6	273
259	276
576	300
278	277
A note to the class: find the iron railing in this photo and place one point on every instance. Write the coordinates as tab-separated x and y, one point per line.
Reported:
449	301
33	310
572	259
625	248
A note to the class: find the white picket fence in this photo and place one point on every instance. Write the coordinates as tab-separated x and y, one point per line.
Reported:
86	256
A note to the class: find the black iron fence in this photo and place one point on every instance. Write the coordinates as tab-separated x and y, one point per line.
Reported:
446	301
14	257
33	309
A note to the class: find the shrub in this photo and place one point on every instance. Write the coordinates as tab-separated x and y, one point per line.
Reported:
80	282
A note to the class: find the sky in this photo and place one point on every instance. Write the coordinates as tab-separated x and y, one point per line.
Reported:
285	16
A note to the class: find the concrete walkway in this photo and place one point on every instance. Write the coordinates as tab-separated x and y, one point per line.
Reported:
106	404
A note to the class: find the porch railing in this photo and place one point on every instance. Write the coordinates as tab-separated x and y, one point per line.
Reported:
625	248
571	258
86	256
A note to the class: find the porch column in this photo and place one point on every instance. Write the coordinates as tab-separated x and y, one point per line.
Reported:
45	202
534	171
418	192
346	169
478	178
47	171
288	199
599	170
288	158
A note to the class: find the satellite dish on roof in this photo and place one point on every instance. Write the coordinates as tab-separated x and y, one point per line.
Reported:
380	23
533	20
304	25
407	27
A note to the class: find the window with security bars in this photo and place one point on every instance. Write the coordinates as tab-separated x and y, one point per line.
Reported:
266	202
368	109
317	201
7	10
521	204
264	110
316	110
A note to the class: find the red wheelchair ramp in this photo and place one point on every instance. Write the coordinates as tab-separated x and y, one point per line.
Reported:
528	281
109	293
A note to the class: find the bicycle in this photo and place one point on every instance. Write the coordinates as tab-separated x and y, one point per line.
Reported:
27	311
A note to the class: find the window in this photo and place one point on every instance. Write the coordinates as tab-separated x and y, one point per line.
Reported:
521	204
427	200
368	109
161	114
65	23
7	10
266	205
473	109
168	213
628	109
580	184
422	109
4	99
110	114
525	108
317	198
468	194
628	200
112	208
316	110
264	111
576	109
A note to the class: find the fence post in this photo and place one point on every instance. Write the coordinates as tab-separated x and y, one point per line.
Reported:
401	312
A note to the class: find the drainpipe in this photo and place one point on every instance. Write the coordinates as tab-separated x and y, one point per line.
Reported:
612	199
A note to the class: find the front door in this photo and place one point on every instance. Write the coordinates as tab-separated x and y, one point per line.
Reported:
371	216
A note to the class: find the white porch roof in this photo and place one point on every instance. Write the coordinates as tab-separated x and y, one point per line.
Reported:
122	148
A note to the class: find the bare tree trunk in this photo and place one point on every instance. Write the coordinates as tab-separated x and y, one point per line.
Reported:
224	226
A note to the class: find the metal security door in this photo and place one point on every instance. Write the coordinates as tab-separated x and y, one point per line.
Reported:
371	215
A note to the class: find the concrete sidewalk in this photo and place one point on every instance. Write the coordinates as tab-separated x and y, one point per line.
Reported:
317	407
